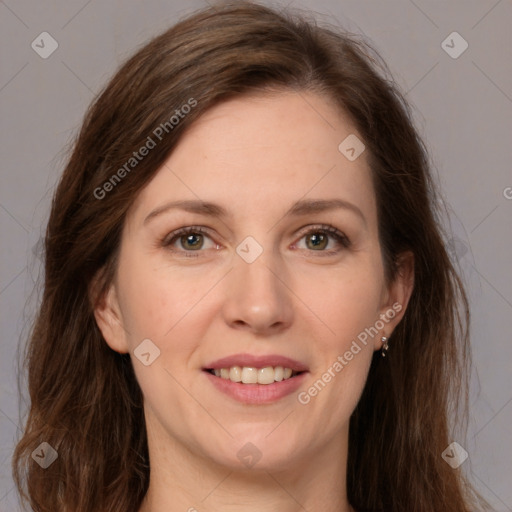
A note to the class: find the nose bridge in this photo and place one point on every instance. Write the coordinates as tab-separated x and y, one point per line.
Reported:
257	298
260	276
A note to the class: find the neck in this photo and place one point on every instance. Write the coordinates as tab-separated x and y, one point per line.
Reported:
185	481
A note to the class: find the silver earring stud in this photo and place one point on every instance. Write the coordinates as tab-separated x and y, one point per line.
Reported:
385	346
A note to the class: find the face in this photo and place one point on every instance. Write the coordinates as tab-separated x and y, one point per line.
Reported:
258	240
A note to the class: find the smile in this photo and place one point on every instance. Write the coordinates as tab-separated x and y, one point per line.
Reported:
253	392
251	375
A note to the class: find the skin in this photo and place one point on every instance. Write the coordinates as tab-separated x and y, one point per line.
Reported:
254	156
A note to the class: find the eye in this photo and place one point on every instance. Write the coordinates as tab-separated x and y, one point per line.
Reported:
189	239
326	239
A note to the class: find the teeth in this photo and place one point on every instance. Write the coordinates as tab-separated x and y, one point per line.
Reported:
266	375
235	374
250	375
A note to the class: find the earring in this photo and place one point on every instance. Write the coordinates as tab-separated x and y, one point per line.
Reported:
385	346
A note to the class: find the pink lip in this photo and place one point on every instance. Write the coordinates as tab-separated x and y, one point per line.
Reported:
256	362
257	393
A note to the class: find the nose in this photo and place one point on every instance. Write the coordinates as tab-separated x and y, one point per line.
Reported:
258	299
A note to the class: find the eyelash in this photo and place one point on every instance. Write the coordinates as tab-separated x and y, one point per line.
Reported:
326	229
190	230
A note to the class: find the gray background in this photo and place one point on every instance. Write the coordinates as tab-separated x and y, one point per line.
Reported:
462	108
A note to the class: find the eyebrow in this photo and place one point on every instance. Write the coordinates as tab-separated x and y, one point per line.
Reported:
191	206
301	207
309	206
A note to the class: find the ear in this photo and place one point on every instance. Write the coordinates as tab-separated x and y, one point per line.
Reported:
396	297
108	316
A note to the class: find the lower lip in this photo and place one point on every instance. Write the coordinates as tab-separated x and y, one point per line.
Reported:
257	393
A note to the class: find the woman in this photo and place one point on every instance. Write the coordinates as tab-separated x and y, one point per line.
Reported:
246	225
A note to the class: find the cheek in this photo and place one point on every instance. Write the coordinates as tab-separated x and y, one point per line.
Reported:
347	300
155	300
348	303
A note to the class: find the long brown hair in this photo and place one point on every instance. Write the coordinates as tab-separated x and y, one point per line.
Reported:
85	400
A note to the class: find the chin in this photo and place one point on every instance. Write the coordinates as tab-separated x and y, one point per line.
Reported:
258	452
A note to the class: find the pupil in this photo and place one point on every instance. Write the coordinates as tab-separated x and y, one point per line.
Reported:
318	240
193	241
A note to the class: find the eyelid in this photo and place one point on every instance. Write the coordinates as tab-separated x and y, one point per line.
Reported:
173	235
340	237
170	239
331	231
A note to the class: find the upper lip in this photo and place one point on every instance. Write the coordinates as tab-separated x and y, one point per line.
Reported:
256	362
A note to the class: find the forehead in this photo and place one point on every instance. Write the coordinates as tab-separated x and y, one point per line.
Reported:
262	151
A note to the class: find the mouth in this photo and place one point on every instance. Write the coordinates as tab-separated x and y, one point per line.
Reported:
256	379
252	375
